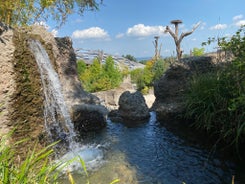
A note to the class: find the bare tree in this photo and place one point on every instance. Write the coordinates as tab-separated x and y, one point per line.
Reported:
157	51
176	37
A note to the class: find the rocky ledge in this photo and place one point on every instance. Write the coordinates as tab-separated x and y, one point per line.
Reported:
169	89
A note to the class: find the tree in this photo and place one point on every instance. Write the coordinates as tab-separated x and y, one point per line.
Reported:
158	69
25	12
112	72
99	77
157	51
81	67
176	37
130	57
197	51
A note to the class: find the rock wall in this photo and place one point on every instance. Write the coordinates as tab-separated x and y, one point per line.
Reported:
7	81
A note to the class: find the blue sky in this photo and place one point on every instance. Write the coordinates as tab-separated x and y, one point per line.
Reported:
123	27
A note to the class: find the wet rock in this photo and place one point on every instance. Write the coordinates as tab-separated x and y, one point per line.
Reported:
88	117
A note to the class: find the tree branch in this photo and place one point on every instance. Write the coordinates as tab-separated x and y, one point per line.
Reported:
189	32
171	33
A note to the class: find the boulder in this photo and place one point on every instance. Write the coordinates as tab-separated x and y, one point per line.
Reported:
87	117
169	89
132	108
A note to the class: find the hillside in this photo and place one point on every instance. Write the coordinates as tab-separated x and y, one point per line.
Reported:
88	56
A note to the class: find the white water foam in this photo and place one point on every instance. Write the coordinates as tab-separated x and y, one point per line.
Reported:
91	155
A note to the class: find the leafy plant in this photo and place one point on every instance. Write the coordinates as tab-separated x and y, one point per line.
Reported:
36	168
198	52
25	12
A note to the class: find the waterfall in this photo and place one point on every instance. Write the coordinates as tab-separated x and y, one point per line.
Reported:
57	119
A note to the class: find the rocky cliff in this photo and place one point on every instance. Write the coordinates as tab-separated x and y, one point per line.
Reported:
21	90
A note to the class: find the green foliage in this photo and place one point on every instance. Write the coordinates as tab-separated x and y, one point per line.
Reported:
25	12
159	68
81	67
144	78
34	169
216	100
130	57
37	166
236	44
99	78
112	73
198	52
143	61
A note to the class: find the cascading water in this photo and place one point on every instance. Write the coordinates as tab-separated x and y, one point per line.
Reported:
57	119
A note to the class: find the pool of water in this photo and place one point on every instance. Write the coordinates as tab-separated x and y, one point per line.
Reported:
150	154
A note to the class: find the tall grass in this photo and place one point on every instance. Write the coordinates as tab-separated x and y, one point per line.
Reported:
36	168
216	102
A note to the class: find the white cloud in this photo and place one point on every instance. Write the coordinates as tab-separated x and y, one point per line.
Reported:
218	27
238	20
120	35
240	23
140	30
237	17
90	33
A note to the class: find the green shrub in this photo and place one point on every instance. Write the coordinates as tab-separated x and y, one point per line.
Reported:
144	78
81	67
198	52
216	100
112	73
99	77
159	67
